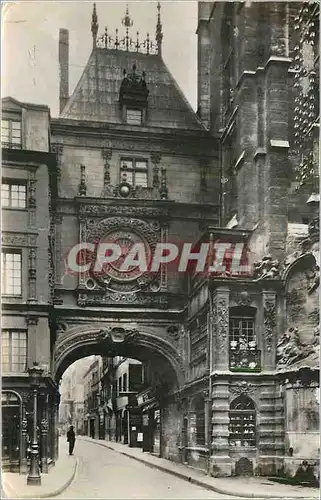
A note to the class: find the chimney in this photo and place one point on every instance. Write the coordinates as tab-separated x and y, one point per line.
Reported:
64	68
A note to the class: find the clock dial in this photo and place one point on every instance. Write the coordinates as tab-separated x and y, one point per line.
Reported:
115	270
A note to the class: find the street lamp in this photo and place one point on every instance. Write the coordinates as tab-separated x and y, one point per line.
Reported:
34	473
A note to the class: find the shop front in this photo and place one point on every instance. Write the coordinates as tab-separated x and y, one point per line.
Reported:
151	422
11	431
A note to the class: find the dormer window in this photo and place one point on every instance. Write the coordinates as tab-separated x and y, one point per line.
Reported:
134	116
133	96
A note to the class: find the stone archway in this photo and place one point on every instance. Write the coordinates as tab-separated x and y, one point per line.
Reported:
114	339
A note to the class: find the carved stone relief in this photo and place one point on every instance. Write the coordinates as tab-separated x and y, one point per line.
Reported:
290	349
269	321
267	268
243	387
19	239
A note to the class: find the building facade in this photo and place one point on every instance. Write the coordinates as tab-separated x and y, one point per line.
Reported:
231	361
27	164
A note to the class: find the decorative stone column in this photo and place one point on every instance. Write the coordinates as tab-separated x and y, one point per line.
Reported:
32	200
220	461
82	188
220	330
57	247
58	149
269	335
32	277
82	239
44	435
156	158
163	267
106	154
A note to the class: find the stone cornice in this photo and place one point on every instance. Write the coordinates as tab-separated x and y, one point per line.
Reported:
119	136
28	157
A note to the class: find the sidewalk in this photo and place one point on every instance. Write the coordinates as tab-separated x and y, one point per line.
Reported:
57	480
248	487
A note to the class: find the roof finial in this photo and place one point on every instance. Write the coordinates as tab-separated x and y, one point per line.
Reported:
126	21
94	25
159	33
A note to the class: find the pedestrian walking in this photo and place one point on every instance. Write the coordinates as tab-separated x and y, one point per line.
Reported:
71	438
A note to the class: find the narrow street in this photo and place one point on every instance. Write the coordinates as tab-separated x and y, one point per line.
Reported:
103	473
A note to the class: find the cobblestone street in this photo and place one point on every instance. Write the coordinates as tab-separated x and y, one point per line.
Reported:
103	473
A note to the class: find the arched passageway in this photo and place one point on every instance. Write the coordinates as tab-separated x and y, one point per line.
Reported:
138	415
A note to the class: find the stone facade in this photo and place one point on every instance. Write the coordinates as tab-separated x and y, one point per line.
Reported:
221	371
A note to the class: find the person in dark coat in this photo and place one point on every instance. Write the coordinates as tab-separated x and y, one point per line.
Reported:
71	438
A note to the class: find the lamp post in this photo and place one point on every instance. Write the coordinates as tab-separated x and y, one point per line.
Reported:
34	473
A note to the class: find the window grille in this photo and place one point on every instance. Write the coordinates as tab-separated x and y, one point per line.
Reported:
14	194
14	351
11	273
242	426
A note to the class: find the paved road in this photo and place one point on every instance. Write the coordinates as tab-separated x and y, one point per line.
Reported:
103	473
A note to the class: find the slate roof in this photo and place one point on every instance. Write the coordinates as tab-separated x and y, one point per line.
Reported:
96	96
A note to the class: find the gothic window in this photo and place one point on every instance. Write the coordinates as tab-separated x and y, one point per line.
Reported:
14	351
242	426
135	171
11	272
11	134
242	339
199	408
119	385
14	194
134	116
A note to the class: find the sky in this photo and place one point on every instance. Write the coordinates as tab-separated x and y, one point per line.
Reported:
30	32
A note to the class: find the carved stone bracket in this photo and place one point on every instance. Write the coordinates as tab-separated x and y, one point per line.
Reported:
32	320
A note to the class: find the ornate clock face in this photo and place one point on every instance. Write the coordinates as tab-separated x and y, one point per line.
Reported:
125	239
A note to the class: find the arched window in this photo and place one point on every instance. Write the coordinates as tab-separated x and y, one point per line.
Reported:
199	406
242	426
244	354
